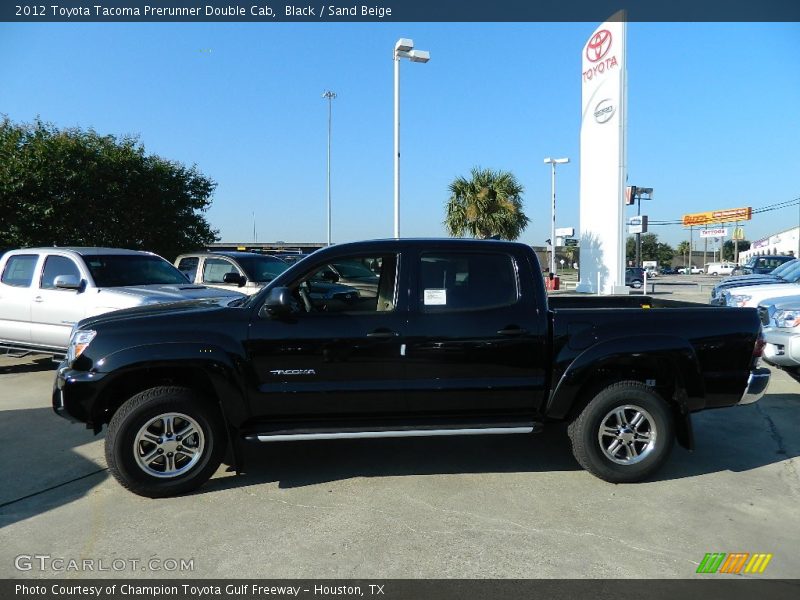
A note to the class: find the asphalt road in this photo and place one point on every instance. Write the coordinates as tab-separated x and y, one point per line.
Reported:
480	507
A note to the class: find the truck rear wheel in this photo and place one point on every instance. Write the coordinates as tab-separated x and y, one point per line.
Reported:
624	434
164	441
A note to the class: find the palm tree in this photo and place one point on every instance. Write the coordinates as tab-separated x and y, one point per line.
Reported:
487	205
684	249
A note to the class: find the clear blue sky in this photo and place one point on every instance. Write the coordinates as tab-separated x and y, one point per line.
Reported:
714	114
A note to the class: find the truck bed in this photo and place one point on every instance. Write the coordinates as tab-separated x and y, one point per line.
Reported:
616	302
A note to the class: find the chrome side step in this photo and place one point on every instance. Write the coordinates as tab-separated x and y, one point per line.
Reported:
343	435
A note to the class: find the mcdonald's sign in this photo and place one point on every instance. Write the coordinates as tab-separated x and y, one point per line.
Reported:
734	563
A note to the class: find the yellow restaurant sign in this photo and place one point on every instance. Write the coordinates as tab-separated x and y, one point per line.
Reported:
718	216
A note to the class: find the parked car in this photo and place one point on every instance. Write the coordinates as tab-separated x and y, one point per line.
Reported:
249	272
461	339
753	295
788	272
668	271
45	291
634	277
246	272
719	268
761	265
780	318
690	270
652	272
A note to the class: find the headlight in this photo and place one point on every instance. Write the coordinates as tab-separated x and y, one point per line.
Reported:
738	300
79	341
786	318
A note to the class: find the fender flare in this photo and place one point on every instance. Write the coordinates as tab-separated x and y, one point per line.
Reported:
671	355
223	369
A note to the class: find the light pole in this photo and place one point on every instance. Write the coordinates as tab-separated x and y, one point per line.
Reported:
330	97
553	162
404	48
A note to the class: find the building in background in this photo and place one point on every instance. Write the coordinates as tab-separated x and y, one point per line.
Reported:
785	242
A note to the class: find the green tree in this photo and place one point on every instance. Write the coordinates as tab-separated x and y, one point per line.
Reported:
684	249
73	187
488	204
728	249
651	249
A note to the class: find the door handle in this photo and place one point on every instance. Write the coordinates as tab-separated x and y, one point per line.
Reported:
38	299
382	333
512	331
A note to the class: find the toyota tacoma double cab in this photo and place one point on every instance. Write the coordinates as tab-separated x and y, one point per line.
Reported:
457	337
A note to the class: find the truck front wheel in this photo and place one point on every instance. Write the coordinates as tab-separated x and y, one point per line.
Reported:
164	441
624	434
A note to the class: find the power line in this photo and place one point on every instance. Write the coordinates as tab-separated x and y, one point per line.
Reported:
756	211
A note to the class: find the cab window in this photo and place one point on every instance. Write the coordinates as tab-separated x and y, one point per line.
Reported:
19	270
188	266
466	281
215	269
55	266
355	284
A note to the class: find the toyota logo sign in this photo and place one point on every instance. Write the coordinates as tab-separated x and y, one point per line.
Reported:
604	110
599	45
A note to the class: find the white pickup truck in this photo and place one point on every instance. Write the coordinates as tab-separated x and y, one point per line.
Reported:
45	291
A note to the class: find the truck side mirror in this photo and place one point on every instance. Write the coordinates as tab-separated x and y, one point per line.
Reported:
239	280
279	302
67	282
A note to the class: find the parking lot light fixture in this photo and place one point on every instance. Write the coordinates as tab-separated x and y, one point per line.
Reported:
553	162
403	48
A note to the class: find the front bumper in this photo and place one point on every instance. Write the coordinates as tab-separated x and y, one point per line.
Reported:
782	347
756	386
74	394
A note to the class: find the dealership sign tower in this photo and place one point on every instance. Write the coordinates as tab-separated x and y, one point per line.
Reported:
603	158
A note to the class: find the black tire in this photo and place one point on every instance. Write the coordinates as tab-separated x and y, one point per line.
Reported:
636	284
635	458
128	439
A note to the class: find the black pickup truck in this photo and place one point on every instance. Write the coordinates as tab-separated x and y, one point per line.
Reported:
458	337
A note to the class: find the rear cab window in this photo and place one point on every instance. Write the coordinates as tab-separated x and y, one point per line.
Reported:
19	270
188	266
466	281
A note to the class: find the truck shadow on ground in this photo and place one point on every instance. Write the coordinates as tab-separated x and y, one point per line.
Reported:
30	366
737	440
39	467
296	464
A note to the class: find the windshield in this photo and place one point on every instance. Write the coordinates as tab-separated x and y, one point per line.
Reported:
789	271
262	268
786	269
119	270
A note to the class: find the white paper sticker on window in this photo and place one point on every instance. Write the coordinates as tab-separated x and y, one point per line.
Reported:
435	297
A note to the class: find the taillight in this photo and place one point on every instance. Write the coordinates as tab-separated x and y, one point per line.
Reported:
758	347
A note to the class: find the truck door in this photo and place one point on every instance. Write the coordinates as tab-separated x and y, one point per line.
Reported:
338	354
16	297
476	342
54	311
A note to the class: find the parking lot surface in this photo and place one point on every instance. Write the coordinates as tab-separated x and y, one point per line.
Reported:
480	507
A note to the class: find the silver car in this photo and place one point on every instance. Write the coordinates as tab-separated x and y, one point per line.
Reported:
780	318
